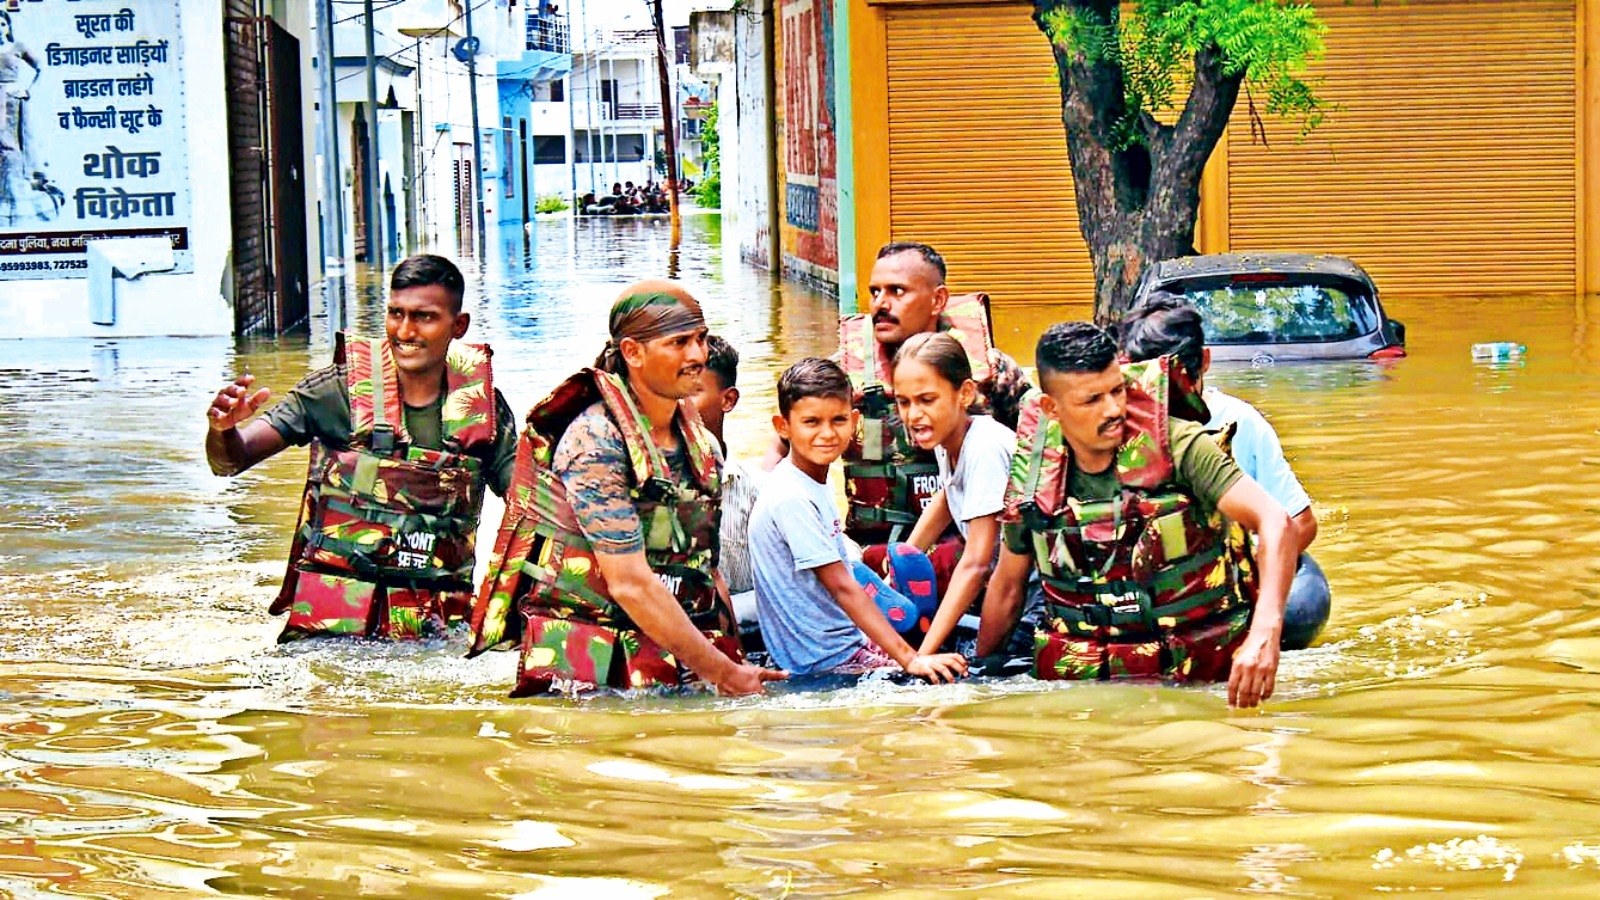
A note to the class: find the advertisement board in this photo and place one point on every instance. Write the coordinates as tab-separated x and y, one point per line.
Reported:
92	131
811	187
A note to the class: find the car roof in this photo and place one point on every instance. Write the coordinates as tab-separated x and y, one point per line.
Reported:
1258	261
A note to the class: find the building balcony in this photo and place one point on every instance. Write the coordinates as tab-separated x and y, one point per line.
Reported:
549	33
590	115
633	112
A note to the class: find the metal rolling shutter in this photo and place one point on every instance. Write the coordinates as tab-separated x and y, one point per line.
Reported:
977	157
1450	168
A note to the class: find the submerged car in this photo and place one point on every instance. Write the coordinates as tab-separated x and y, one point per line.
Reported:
1281	306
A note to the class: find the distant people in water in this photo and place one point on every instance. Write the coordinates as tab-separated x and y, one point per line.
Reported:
627	199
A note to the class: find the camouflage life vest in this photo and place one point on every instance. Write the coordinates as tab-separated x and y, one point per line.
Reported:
1145	585
384	547
888	479
544	590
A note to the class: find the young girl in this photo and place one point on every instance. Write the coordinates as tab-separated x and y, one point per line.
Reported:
933	389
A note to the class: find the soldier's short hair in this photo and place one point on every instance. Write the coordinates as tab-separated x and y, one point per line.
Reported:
928	254
1073	348
425	269
812	377
722	361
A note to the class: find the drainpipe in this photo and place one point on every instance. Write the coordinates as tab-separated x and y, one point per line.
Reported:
572	138
333	180
374	211
616	100
844	159
477	139
769	49
588	98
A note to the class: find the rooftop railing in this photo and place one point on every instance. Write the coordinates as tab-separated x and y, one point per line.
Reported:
549	33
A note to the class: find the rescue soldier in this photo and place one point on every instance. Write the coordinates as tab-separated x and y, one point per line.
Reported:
1132	515
1166	324
888	480
405	432
605	567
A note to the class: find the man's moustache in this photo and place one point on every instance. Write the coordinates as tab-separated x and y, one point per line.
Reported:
1113	425
884	316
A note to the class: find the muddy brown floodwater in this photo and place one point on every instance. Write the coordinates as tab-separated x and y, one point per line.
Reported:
156	742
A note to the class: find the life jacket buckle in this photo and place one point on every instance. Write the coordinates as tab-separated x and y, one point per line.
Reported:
1097	615
382	441
659	490
1028	511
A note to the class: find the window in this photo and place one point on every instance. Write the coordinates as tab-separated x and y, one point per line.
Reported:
621	147
586	146
550	148
507	171
680	44
558	91
1281	309
628	147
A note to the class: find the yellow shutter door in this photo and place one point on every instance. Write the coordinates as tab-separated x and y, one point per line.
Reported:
977	157
1450	168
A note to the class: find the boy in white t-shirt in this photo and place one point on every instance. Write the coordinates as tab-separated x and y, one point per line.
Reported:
815	617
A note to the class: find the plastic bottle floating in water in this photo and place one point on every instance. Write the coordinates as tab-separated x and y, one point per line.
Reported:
1498	351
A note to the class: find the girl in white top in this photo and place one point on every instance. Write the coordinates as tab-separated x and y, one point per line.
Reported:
933	388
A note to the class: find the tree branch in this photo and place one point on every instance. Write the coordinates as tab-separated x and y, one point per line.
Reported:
1204	119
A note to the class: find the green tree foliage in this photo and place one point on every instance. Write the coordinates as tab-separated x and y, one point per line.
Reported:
1154	42
709	191
1122	63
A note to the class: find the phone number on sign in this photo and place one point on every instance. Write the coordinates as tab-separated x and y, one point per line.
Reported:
41	264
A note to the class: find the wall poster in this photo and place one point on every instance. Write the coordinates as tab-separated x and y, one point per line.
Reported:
92	131
811	190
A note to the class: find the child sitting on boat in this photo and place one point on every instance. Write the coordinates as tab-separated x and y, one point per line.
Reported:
815	617
934	389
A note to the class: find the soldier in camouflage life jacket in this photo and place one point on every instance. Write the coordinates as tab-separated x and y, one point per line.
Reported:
405	431
1136	521
604	572
888	479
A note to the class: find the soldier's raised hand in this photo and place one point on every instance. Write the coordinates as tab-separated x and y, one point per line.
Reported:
235	403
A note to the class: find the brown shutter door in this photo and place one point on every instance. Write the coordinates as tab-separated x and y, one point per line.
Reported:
977	159
1450	167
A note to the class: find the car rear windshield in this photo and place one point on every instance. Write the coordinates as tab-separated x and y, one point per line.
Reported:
1274	309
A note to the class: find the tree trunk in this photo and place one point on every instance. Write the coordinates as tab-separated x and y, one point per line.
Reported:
1136	203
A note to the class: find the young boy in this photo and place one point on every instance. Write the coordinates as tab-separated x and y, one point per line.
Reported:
741	482
814	616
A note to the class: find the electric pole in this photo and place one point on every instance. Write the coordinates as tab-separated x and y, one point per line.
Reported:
477	133
669	123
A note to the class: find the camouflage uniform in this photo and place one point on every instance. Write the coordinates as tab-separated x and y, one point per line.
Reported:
384	546
1151	581
588	480
888	479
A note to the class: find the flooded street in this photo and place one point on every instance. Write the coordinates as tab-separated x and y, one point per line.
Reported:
155	741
